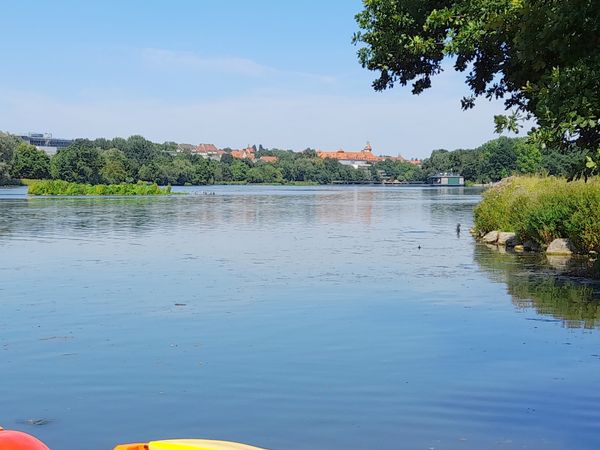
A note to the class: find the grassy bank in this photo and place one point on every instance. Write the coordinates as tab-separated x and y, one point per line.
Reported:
542	209
59	187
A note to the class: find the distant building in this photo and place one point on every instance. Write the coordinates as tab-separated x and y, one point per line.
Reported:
268	159
361	159
208	151
447	179
364	158
185	148
247	153
45	142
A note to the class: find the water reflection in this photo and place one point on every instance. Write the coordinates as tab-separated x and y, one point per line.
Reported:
552	286
90	217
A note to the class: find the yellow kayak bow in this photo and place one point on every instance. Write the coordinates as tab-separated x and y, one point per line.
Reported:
187	444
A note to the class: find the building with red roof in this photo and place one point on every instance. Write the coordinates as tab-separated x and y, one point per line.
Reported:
208	151
268	159
247	153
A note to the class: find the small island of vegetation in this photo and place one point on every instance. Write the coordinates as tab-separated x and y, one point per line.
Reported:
60	187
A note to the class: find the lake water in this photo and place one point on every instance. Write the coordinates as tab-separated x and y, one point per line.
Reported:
288	318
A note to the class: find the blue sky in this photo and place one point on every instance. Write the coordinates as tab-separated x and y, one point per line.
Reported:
282	74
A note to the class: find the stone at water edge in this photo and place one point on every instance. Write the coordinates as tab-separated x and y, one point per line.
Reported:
507	239
519	248
490	238
560	247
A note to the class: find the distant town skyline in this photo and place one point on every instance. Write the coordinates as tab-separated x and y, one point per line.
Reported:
278	74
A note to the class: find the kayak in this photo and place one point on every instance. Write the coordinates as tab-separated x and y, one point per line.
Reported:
187	444
17	440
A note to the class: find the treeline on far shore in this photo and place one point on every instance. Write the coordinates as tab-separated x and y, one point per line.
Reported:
117	161
501	158
136	159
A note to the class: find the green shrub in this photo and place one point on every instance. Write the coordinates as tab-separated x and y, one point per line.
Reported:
542	209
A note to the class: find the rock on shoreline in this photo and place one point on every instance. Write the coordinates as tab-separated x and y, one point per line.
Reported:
502	238
490	238
558	247
507	239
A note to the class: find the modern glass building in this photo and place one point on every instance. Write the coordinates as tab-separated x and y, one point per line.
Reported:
45	142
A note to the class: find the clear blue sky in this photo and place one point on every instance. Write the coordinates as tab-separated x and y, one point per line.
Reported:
278	73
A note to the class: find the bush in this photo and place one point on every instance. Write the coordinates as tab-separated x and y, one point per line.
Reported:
60	187
542	209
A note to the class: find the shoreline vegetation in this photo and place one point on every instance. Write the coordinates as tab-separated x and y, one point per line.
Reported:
541	213
65	188
118	160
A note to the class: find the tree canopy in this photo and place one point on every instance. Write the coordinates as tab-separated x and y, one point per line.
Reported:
79	163
500	158
29	162
8	145
541	56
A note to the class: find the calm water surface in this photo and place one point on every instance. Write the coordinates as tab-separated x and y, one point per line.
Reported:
290	318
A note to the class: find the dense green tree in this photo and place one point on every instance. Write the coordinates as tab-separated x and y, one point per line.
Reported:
183	171
492	161
8	145
146	172
309	153
167	147
474	165
102	144
559	164
500	157
227	158
529	157
438	161
29	162
139	150
541	56
265	173
204	171
239	170
80	163
159	171
114	167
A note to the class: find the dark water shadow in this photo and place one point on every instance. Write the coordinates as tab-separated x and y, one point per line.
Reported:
567	289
